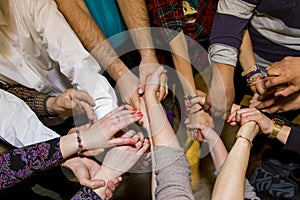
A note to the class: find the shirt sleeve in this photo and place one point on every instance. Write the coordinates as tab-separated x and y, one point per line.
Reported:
75	62
293	140
19	164
19	126
34	99
228	27
172	174
85	194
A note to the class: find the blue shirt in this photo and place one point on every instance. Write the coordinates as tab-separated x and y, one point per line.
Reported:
107	15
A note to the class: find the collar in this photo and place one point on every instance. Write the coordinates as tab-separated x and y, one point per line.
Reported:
2	18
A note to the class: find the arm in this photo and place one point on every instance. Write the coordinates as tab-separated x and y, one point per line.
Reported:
283	72
286	135
94	40
135	15
74	61
34	99
172	169
20	134
221	87
237	163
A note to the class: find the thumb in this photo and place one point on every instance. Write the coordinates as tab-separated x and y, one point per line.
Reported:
93	184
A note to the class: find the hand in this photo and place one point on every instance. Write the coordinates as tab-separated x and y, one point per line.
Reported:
84	169
147	69
127	86
281	104
71	102
243	116
285	71
207	133
153	82
259	88
121	159
100	134
222	88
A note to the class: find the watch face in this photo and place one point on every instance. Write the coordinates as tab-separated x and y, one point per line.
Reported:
278	121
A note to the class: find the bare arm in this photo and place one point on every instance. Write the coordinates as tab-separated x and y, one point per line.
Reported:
235	166
135	15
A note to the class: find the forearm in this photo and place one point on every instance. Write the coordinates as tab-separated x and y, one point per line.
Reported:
135	15
246	56
81	21
91	36
161	130
218	153
182	64
21	163
236	163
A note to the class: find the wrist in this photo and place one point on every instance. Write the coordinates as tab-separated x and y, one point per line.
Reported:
49	105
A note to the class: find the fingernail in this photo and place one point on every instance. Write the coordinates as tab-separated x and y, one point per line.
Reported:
140	91
149	142
139	113
132	142
134	109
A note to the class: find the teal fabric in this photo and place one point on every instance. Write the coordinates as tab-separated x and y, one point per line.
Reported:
193	3
108	17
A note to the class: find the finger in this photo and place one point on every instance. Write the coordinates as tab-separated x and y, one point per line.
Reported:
122	141
273	109
111	185
84	96
265	104
88	110
272	81
163	89
287	91
94	184
207	104
145	146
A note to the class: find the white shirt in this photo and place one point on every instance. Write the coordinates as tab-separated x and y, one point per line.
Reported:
40	50
19	126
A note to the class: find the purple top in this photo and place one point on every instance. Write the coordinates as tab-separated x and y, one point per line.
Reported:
21	163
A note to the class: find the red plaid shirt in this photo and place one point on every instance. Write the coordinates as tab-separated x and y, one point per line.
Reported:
169	14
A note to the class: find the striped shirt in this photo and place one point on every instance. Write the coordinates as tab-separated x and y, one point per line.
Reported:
273	25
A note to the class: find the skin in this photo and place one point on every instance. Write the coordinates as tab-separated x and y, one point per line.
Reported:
93	39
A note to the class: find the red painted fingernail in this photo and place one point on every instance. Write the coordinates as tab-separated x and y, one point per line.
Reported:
139	113
132	142
134	109
149	142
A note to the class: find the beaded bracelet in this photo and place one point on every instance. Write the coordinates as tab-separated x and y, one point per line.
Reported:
79	150
254	77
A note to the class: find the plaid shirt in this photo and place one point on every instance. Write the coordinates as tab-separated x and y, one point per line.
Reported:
169	14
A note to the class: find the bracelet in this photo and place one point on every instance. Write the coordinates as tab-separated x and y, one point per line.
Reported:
254	77
79	150
250	69
240	136
276	129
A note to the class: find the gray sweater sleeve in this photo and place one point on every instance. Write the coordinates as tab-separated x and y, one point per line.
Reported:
172	174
